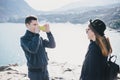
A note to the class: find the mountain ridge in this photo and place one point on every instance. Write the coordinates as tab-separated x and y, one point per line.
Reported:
14	9
10	11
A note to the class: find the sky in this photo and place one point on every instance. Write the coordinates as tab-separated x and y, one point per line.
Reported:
48	5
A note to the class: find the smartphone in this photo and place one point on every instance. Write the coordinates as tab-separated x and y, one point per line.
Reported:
42	28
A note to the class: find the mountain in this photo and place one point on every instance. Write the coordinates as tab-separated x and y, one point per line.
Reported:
14	9
110	14
87	4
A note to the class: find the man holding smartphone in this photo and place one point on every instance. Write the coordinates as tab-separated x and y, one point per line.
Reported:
34	46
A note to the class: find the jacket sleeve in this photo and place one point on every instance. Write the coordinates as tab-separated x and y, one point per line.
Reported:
94	65
31	45
50	43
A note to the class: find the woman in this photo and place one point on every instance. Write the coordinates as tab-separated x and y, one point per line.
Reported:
94	66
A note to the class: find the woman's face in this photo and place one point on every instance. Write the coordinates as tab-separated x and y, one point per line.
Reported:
90	34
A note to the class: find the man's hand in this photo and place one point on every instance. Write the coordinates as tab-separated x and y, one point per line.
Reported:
47	28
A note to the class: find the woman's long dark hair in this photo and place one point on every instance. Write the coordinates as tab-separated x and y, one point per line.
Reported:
103	43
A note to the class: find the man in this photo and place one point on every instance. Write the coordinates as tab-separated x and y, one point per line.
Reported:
34	48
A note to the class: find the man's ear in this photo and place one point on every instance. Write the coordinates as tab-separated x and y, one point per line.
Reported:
27	25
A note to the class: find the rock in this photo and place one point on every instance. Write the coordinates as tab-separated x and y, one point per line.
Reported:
9	73
118	30
9	79
13	64
68	69
2	68
58	78
8	68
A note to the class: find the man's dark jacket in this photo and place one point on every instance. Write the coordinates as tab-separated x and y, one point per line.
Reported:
34	49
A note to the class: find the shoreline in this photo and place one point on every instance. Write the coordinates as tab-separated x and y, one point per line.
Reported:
57	71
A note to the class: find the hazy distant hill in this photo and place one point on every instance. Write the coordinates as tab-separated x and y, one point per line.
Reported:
10	9
82	6
16	10
110	14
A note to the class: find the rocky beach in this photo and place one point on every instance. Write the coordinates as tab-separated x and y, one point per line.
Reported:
57	71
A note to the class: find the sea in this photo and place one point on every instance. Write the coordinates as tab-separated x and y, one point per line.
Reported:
71	43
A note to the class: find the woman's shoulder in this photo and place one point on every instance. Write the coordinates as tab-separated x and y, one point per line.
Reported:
94	49
93	45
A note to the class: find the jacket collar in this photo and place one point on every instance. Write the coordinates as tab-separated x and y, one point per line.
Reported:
29	33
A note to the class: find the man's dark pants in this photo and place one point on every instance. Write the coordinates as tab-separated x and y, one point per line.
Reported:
38	74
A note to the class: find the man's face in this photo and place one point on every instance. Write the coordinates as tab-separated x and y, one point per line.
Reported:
31	26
